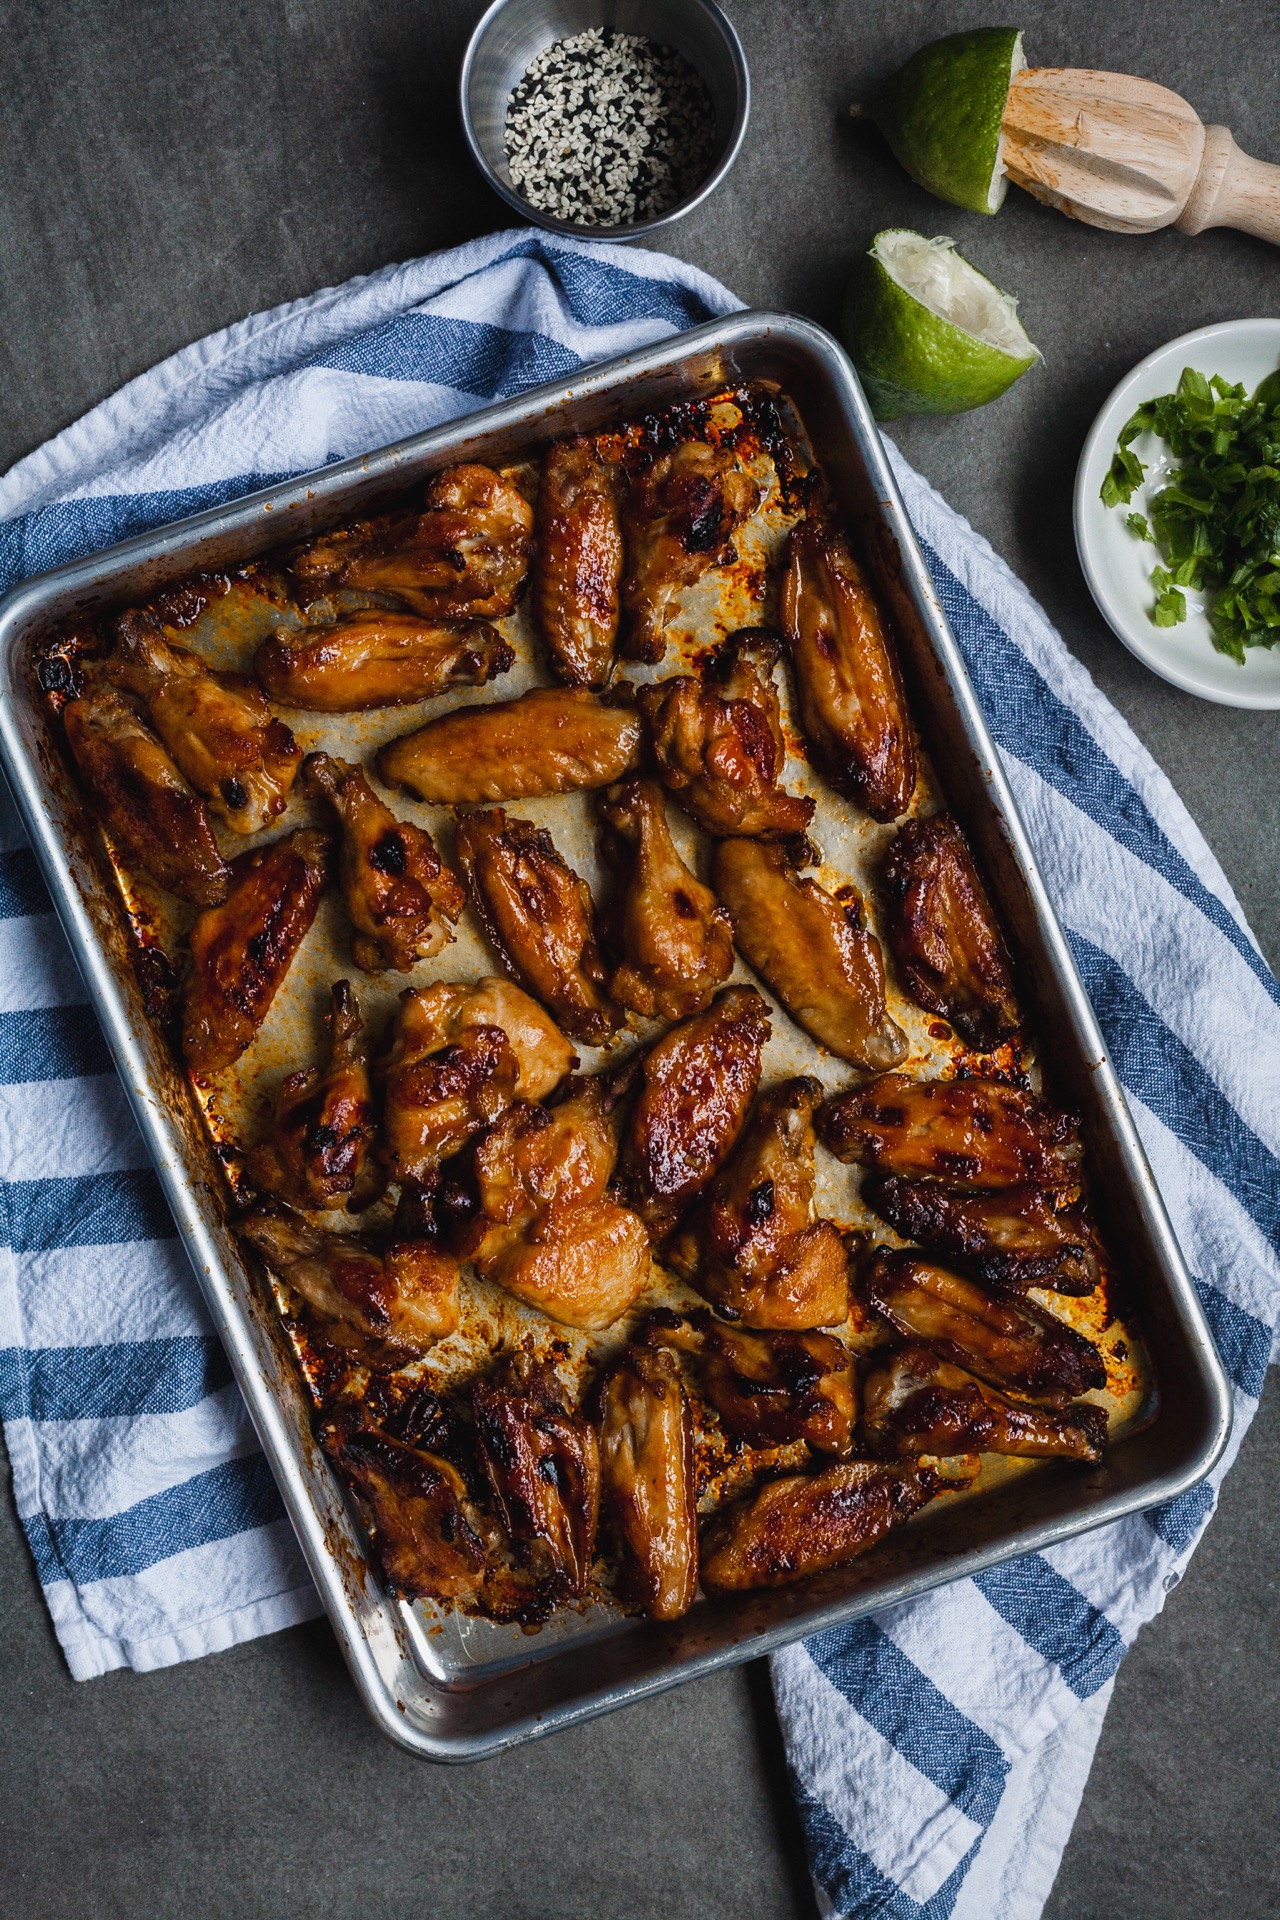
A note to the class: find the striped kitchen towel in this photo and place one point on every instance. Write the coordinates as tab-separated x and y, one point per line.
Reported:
939	1751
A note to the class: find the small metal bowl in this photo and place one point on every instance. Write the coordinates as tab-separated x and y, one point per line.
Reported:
512	32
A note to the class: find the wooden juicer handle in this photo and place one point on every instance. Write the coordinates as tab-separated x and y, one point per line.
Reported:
1232	190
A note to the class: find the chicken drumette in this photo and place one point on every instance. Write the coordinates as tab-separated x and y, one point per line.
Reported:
542	1463
682	512
674	937
944	935
805	1524
915	1403
647	1480
769	1389
577	570
320	1151
965	1133
1011	1236
553	740
378	659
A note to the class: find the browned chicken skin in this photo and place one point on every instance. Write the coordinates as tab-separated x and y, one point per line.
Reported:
542	1463
647	1480
553	740
770	1389
805	1524
1007	1341
577	569
681	515
697	1084
400	895
465	556
156	819
674	937
320	1151
966	1133
242	950
719	745
757	1249
1011	1237
378	659
218	727
916	1403
848	682
814	950
944	935
539	915
417	1502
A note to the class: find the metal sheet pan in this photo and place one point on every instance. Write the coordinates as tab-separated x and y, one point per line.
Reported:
442	1696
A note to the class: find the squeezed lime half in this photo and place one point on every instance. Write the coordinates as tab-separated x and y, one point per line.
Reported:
941	114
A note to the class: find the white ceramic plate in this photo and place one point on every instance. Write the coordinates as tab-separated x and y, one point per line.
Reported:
1118	566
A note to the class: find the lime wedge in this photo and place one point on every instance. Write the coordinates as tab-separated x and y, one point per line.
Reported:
941	114
927	332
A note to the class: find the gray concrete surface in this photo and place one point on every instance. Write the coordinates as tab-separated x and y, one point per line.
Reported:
167	167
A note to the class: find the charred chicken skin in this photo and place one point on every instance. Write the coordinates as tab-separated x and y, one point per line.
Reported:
222	734
390	1305
697	1083
916	1403
806	1524
647	1480
401	897
577	571
465	556
757	1249
1006	1341
966	1133
769	1389
539	915
674	937
378	659
848	682
1012	1237
682	513
422	1519
814	950
542	1463
944	935
242	950
156	819
553	740
321	1149
719	745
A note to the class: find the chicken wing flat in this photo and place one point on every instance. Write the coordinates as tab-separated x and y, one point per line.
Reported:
392	1305
805	1524
647	1480
222	734
966	1133
757	1249
675	938
542	1463
682	512
769	1389
1009	1342
539	915
916	1403
378	659
465	556
320	1152
697	1084
815	951
577	570
423	1523
719	745
242	949
553	740
400	895
1011	1237
848	681
156	819
944	935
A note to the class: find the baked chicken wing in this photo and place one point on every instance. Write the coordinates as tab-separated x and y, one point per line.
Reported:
674	937
156	819
542	1463
400	895
848	682
424	1526
553	740
804	1524
815	951
682	513
916	1403
1012	1236
539	915
242	949
577	570
1007	1341
222	734
320	1152
769	1389
647	1480
378	659
944	935
719	746
966	1133
757	1249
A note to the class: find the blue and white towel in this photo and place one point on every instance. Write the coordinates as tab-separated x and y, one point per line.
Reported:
938	1752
